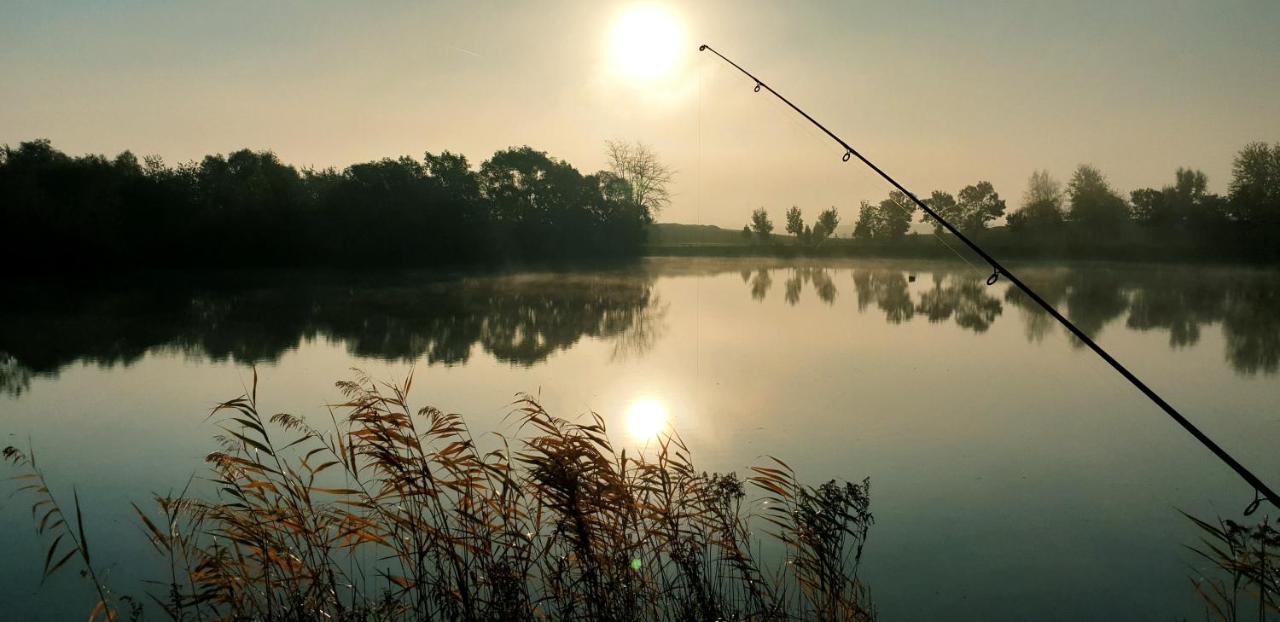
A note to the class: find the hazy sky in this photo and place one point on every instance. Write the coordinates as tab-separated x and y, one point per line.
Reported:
942	94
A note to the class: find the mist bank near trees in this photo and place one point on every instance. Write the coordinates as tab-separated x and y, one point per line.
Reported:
249	209
1086	218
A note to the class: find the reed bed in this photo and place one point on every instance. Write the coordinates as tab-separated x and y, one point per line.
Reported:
395	514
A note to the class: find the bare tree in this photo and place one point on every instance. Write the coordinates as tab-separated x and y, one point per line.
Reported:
644	173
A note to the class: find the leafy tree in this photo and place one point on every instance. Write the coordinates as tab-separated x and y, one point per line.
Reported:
867	223
1149	207
894	216
977	205
795	224
1041	204
761	224
248	208
746	232
945	205
889	219
1094	205
1180	205
1254	191
826	224
645	174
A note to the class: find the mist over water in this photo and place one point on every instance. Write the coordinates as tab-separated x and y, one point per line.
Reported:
1011	471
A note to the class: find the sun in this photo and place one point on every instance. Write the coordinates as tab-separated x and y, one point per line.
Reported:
646	41
646	419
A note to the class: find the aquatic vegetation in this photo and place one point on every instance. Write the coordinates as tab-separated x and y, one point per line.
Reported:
397	514
1243	582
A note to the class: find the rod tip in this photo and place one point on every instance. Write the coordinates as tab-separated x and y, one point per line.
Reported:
702	48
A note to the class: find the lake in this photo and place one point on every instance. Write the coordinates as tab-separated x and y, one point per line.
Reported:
1013	474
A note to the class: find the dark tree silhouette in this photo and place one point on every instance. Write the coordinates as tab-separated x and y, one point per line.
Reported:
1255	185
1094	205
249	209
1041	204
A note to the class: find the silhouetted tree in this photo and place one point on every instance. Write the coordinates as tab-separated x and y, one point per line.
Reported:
866	226
761	225
1254	191
795	224
826	224
646	176
1041	204
1094	205
945	205
978	205
249	209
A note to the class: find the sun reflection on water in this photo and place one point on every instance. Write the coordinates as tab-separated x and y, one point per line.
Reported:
646	419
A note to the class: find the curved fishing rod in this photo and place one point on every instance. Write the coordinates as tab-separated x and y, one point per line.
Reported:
998	270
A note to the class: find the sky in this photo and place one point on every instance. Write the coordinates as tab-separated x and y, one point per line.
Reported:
940	94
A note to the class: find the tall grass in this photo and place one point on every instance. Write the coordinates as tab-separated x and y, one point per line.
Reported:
1243	580
395	514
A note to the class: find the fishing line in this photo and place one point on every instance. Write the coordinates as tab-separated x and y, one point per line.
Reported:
998	270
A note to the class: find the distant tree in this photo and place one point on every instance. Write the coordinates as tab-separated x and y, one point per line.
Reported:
1179	205
1149	207
249	208
889	219
1094	205
1041	204
746	232
895	216
867	224
640	167
1254	191
978	205
945	205
1042	188
826	224
795	224
761	225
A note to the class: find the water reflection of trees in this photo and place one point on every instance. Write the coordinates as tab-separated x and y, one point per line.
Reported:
517	320
1176	300
818	278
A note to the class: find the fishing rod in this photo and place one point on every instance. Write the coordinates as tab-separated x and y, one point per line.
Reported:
998	270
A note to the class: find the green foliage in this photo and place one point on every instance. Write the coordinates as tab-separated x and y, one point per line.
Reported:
795	224
396	514
761	225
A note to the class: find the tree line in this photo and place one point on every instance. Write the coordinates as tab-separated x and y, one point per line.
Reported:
248	208
1088	206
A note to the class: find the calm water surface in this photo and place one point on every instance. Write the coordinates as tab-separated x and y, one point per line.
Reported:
1013	475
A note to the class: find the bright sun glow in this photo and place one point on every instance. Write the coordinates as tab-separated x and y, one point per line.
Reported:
646	42
646	419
